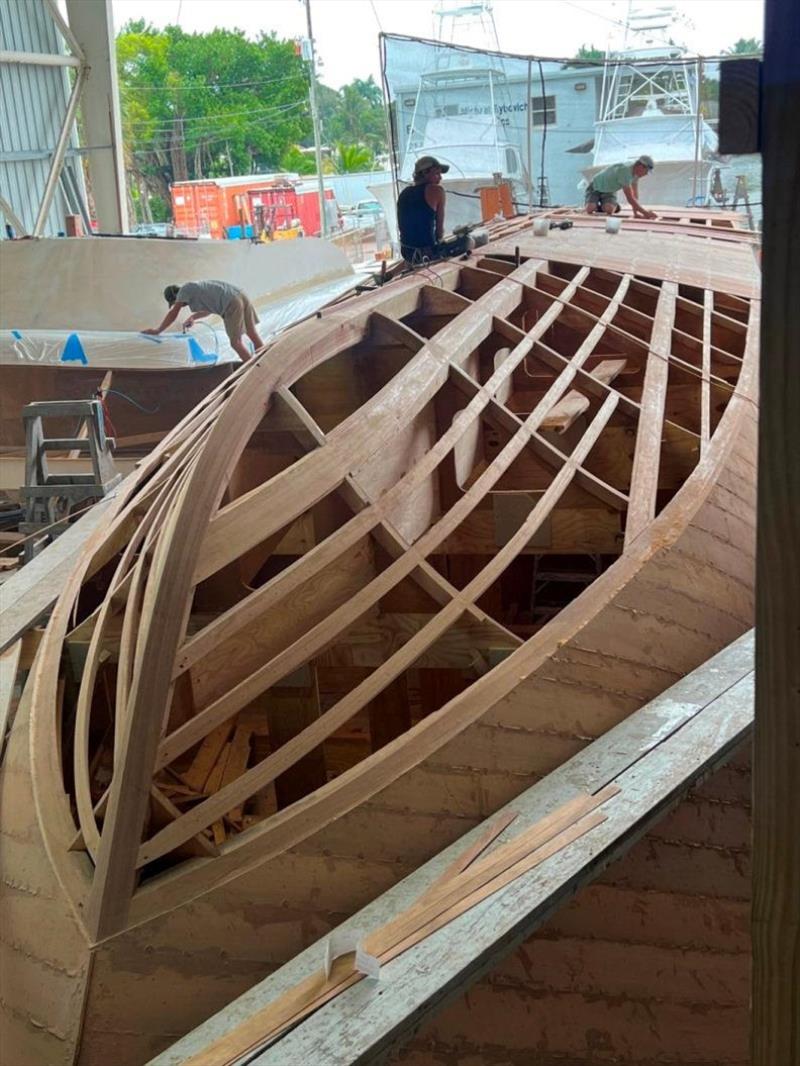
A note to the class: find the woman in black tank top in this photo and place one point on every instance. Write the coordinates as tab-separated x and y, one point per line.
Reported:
419	223
416	221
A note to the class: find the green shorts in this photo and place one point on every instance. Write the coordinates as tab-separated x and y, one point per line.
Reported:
601	198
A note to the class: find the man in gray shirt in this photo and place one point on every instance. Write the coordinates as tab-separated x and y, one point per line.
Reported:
213	298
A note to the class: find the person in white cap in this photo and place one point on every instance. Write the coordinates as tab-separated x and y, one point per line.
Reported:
420	215
601	196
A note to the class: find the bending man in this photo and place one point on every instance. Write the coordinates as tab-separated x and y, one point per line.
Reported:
213	298
601	196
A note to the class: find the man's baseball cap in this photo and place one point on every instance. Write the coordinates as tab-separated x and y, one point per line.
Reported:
427	162
646	161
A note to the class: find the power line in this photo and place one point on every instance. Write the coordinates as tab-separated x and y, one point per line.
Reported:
264	112
210	85
274	109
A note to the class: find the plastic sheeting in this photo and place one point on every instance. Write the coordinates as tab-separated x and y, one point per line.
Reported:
114	350
203	345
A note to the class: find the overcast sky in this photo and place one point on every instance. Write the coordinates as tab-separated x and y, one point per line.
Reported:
347	30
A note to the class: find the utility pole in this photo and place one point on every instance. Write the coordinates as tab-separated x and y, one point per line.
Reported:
312	55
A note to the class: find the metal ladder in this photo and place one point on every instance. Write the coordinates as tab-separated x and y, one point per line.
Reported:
49	498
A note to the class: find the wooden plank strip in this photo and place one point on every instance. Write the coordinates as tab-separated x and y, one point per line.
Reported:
705	385
9	665
475	882
644	478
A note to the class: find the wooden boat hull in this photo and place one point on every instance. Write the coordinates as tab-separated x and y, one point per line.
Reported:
677	588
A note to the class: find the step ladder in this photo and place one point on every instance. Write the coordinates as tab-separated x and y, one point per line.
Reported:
49	498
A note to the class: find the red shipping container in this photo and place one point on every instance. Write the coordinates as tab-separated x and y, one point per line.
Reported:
211	206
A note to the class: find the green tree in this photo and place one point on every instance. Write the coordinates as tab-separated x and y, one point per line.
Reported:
354	114
587	53
298	162
206	104
745	46
353	158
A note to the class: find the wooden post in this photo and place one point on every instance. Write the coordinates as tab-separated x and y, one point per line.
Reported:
776	790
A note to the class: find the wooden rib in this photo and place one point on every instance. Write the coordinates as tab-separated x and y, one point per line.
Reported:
689	367
326	630
705	386
341	712
498	415
427	576
243	613
168	808
125	578
647	454
252	517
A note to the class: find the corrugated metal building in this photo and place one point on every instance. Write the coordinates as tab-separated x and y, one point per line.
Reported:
33	101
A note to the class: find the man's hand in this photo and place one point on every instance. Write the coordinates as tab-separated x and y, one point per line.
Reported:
150	332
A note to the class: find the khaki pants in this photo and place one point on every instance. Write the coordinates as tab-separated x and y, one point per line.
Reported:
240	317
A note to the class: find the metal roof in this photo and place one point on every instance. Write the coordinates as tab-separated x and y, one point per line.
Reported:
33	100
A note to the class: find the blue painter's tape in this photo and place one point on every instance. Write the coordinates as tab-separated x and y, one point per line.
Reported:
73	351
197	353
16	334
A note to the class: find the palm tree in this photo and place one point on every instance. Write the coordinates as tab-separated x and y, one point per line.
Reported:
353	158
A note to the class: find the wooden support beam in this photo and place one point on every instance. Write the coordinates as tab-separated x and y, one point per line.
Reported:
776	770
644	479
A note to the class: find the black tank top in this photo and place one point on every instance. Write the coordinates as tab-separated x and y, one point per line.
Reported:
416	219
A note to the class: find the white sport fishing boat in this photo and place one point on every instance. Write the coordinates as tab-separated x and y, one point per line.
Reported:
468	137
654	108
472	146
